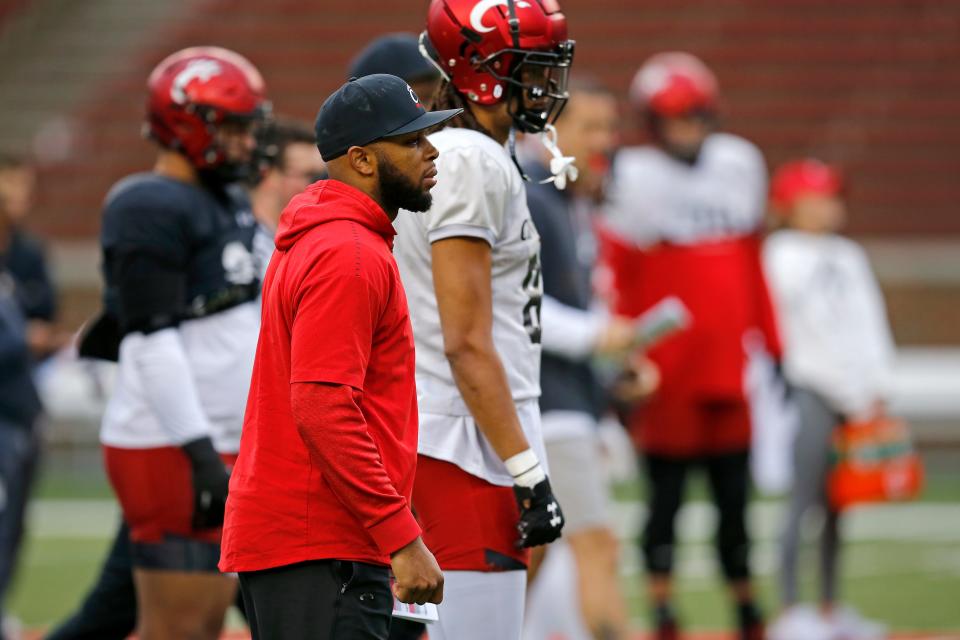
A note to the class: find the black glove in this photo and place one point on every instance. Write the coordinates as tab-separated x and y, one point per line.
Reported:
100	338
540	516
210	480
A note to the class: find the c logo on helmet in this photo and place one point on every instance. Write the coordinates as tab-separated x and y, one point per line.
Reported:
480	9
203	68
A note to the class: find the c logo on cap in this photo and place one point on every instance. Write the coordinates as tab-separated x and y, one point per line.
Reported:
413	96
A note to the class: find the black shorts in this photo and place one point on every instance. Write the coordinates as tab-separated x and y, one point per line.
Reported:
319	600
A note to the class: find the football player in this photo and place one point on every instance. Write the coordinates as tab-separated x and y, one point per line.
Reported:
684	217
471	269
181	318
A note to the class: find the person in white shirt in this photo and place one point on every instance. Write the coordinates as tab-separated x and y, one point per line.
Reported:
471	270
838	357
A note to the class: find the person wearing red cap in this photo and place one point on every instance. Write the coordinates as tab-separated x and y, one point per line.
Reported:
683	220
838	354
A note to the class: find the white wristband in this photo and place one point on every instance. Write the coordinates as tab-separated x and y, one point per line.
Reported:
525	469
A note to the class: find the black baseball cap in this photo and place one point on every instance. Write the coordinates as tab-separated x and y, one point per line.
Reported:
394	53
367	109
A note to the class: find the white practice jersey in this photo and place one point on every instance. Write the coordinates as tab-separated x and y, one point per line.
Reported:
656	198
479	194
836	336
220	349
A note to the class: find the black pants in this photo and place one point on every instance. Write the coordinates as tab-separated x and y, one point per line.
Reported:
19	454
728	476
319	600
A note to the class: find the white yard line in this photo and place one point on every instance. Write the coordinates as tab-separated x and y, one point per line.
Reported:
937	526
89	519
921	522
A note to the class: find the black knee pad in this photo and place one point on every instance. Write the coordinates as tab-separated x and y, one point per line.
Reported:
658	543
734	559
176	553
658	558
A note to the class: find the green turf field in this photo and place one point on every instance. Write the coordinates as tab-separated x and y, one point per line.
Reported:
901	566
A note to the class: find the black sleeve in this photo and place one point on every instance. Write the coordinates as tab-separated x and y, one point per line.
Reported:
146	243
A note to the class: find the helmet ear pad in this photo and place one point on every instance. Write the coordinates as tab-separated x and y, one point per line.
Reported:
183	132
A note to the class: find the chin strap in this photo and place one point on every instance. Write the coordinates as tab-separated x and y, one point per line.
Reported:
512	145
561	166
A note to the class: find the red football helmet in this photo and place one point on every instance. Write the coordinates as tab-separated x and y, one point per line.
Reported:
801	177
674	84
195	90
495	50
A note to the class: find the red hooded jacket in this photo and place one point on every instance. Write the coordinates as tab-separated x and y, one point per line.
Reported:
328	452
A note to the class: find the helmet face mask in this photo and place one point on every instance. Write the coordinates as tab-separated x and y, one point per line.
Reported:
536	86
230	157
682	136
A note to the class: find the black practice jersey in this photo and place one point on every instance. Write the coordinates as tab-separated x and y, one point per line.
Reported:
567	255
174	251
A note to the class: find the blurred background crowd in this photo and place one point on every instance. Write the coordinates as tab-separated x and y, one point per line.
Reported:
869	87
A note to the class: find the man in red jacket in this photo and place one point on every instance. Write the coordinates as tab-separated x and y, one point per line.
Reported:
684	219
319	503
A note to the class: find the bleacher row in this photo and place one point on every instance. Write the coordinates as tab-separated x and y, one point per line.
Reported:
872	84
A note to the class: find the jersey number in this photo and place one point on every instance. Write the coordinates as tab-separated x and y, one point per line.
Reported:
533	287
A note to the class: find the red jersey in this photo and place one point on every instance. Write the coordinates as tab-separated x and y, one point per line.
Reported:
334	483
722	285
691	231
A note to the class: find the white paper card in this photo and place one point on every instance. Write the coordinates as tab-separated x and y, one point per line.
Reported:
416	612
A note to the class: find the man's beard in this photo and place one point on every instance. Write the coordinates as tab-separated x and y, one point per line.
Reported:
399	192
